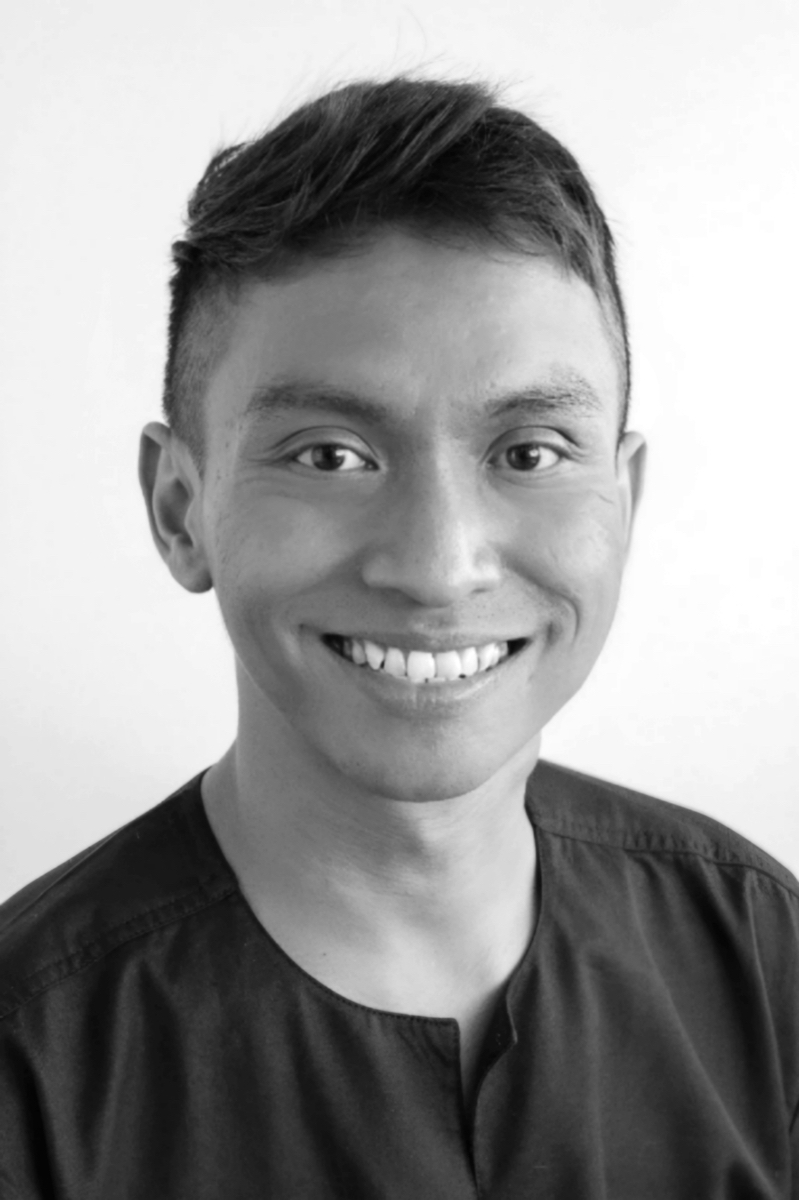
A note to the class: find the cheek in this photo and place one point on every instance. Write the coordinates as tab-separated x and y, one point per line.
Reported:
278	547
573	546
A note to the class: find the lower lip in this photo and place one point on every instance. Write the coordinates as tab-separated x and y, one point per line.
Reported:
411	698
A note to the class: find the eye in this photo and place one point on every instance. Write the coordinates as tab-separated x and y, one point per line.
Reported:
333	458
530	456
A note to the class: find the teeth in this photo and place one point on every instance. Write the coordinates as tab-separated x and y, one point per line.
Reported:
375	655
469	661
485	657
395	662
420	666
448	665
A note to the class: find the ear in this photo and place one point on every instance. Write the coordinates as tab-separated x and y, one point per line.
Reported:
630	470
172	491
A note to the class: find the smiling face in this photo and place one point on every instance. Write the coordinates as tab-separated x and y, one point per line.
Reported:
413	510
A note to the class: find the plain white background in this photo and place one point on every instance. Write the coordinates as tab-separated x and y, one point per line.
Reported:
117	686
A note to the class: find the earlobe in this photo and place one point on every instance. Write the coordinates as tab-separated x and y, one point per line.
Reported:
171	486
630	467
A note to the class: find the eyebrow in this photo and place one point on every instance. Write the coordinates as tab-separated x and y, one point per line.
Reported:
570	394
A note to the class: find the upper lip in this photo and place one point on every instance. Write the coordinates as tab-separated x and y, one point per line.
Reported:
432	643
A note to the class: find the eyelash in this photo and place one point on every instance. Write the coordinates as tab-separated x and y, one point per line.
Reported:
366	465
369	465
540	448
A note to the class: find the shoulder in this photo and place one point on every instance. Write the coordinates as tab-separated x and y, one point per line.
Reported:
570	804
157	869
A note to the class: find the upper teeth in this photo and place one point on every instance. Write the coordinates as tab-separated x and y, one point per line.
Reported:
421	666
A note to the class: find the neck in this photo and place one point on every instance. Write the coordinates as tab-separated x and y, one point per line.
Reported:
279	816
403	905
406	906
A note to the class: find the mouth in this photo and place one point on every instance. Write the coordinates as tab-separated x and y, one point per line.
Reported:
424	667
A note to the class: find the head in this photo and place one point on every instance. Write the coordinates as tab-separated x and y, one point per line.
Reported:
397	393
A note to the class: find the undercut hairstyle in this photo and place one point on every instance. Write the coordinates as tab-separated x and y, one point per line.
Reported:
443	161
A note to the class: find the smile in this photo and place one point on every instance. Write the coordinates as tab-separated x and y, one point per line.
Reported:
423	666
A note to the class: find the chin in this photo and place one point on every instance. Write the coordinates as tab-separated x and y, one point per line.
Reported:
422	774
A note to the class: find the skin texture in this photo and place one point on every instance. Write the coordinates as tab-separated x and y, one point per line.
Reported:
377	827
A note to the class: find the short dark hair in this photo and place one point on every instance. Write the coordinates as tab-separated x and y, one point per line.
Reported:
440	159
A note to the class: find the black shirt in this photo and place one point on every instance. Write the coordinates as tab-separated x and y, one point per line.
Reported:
156	1044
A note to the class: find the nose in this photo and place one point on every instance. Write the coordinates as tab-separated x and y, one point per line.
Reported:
434	543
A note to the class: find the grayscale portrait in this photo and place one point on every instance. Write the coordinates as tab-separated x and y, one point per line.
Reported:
399	636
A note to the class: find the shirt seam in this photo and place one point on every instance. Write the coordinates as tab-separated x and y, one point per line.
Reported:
91	953
594	835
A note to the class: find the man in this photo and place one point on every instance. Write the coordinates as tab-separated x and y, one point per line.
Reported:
379	949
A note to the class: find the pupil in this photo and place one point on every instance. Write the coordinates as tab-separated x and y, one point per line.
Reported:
524	458
328	457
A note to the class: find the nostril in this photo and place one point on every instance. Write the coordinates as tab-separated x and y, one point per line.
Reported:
436	577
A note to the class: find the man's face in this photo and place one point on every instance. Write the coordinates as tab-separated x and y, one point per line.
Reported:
412	470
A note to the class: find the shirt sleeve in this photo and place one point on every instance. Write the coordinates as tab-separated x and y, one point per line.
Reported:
24	1160
777	926
793	1136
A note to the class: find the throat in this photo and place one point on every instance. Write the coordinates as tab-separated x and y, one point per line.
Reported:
452	965
430	922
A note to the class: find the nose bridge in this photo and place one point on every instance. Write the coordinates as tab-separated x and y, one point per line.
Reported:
435	543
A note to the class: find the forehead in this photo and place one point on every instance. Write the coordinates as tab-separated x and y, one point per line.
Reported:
416	325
